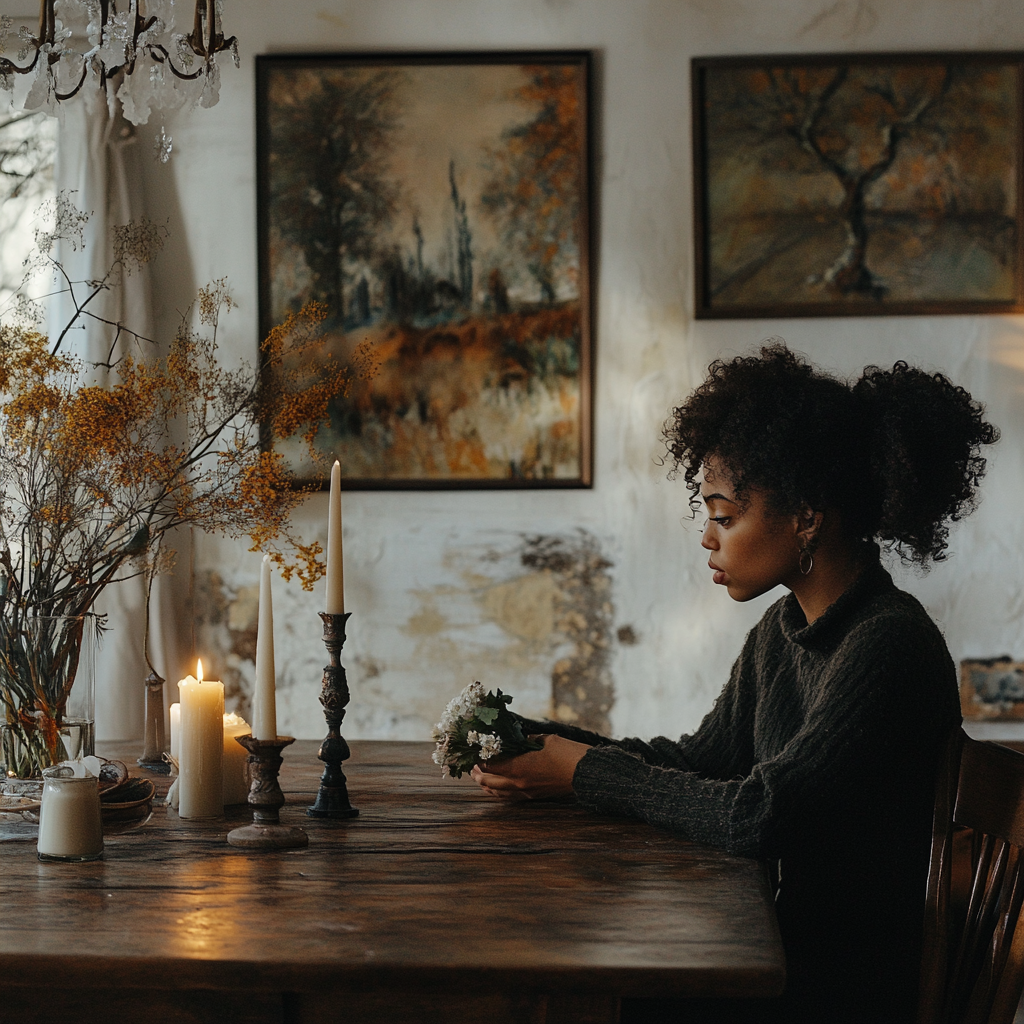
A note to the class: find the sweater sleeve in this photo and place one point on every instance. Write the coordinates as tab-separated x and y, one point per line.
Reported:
874	695
659	751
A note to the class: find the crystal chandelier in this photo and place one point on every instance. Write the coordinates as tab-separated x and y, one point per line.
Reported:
128	50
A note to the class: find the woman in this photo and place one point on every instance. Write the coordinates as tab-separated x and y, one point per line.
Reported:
822	749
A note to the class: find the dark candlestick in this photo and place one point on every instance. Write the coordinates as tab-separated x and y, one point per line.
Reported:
332	797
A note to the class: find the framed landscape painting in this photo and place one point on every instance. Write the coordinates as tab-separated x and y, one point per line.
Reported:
438	206
857	184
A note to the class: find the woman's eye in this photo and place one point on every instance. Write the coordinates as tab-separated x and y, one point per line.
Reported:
720	520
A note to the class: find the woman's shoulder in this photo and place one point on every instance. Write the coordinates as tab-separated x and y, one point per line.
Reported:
872	612
894	628
894	610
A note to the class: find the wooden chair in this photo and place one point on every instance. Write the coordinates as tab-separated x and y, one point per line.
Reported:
972	969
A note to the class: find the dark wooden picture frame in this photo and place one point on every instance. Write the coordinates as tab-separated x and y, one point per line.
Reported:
439	205
858	184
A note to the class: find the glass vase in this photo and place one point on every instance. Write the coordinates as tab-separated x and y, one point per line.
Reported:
47	692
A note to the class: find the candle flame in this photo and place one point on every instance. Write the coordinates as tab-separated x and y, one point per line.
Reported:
199	669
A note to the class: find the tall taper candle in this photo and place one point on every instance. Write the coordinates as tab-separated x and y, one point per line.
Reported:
335	571
264	703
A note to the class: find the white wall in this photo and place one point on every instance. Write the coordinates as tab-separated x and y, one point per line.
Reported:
433	579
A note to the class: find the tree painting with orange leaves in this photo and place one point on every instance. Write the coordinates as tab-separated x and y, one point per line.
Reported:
534	190
438	205
862	185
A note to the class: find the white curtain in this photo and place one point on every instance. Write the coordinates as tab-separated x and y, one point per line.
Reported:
97	161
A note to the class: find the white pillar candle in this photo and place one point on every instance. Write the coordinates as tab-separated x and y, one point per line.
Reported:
201	784
175	731
236	783
70	826
335	568
264	703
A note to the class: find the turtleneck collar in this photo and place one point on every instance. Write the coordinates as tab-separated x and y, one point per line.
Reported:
872	581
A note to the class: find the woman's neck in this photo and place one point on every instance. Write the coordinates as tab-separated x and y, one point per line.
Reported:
837	564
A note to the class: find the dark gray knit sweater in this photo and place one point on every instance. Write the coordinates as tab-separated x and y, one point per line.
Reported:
820	752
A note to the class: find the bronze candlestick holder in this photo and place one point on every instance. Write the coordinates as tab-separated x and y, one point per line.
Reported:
332	797
156	740
266	799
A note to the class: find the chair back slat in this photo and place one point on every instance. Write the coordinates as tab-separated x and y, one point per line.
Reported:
980	1009
972	969
941	875
990	797
974	980
1011	983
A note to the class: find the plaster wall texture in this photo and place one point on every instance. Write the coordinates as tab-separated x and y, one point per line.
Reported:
440	584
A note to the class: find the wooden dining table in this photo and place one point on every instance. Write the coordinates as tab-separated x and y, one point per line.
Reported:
436	903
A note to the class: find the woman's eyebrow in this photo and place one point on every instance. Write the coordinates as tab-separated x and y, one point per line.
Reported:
717	497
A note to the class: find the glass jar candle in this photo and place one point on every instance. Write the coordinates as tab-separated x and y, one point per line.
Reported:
70	824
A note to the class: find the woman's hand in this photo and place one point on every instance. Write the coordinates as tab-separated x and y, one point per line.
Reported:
532	776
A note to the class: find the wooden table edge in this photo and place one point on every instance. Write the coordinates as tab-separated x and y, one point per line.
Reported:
181	974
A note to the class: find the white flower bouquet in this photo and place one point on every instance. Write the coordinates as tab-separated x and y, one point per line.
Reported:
475	727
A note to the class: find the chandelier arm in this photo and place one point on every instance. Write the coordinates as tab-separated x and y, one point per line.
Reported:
196	39
47	20
156	49
141	28
61	96
211	25
7	65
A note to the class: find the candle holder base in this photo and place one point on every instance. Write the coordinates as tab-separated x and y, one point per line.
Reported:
266	799
268	837
332	797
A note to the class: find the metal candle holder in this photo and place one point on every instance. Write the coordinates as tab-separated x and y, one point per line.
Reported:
156	743
266	799
332	797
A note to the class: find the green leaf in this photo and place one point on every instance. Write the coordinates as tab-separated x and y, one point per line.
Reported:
487	715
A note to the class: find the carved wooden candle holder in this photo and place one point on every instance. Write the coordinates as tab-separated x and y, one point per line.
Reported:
332	797
266	799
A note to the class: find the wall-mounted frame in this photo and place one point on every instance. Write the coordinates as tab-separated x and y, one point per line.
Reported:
858	184
439	205
992	690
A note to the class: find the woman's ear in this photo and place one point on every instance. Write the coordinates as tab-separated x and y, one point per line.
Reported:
808	527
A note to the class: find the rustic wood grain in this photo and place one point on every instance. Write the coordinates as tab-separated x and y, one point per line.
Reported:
435	896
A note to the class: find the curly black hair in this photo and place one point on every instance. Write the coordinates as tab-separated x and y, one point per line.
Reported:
896	452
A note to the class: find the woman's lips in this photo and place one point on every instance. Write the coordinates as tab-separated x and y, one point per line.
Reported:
719	576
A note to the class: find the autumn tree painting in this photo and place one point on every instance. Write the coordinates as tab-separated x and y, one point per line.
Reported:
329	193
866	186
438	208
534	191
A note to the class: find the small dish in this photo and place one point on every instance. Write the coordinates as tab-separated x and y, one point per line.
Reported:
15	810
128	801
17	804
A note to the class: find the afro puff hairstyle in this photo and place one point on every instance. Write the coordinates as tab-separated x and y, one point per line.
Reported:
895	453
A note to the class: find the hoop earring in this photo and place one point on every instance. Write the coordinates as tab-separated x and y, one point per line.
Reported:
810	562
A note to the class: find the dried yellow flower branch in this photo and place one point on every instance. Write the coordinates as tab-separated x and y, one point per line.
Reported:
94	477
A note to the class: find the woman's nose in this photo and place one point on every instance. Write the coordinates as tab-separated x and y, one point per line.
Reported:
707	538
